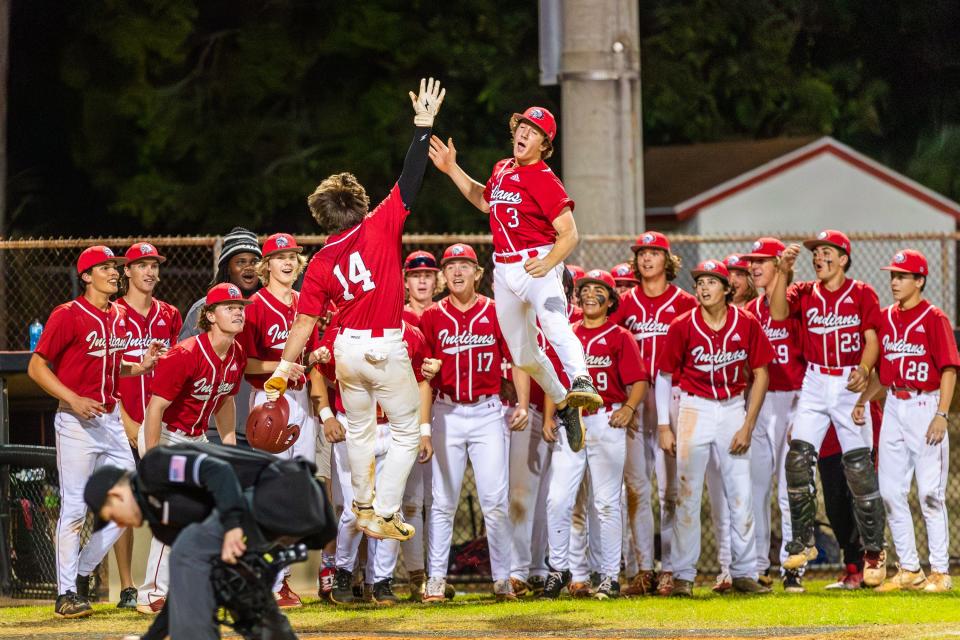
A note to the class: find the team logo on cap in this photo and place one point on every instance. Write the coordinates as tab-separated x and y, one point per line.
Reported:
710	265
899	258
734	260
536	113
456	250
282	241
594	274
622	271
147	248
647	238
757	245
233	291
107	251
821	235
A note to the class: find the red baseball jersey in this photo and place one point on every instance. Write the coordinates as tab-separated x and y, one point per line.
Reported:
524	201
359	270
715	363
470	345
833	322
648	319
788	367
915	346
163	322
196	380
410	317
613	359
84	345
266	327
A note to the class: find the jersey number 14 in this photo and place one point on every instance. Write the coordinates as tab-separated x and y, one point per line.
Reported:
358	274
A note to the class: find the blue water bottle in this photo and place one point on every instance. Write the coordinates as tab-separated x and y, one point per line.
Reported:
35	330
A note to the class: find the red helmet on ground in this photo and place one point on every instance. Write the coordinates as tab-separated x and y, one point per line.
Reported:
267	427
908	261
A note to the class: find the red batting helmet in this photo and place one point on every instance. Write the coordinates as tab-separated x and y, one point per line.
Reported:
267	427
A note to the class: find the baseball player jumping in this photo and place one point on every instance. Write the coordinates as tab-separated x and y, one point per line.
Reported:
359	270
918	367
531	218
713	346
646	311
769	448
78	362
838	318
463	332
614	358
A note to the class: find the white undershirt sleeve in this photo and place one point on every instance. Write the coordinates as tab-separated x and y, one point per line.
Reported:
663	392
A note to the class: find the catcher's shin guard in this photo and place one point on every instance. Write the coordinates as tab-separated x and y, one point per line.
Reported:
802	493
867	504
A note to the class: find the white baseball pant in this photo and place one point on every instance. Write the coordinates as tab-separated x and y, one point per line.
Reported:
585	555
521	301
705	426
605	453
768	450
82	446
824	399
904	453
475	432
156	581
371	371
719	511
644	458
630	566
529	480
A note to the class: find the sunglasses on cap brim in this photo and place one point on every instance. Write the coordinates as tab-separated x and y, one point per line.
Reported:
421	262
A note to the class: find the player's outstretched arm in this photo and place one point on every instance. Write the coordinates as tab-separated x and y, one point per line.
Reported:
426	105
296	341
444	158
779	308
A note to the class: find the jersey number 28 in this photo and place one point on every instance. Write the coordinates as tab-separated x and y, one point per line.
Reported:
358	274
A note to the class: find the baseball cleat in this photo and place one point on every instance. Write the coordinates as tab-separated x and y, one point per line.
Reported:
850	579
571	419
503	591
449	591
642	584
87	587
938	583
418	581
579	589
435	590
520	587
680	588
874	568
723	583
800	559
71	605
393	528
342	592
128	598
383	593
556	581
537	583
749	585
607	589
793	583
583	394
153	607
665	584
364	514
325	582
286	598
904	580
765	579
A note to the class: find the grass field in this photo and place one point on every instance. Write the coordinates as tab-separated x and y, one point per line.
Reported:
818	614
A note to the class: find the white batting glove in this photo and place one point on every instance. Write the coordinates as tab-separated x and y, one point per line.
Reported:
427	104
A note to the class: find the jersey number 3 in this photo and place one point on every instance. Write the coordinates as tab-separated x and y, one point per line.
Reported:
358	274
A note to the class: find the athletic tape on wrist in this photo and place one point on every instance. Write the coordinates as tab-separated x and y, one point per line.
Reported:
325	414
284	369
425	429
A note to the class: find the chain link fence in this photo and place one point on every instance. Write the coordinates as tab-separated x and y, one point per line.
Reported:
37	275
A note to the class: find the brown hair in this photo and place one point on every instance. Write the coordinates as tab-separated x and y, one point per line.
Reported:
339	202
202	322
263	267
671	266
547	143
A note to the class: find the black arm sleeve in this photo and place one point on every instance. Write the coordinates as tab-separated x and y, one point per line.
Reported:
218	477
414	166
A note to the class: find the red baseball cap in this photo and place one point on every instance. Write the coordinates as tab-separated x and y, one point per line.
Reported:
765	248
540	118
714	268
736	261
459	251
225	292
576	271
830	237
97	254
908	261
652	240
623	273
143	251
598	276
280	242
420	261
